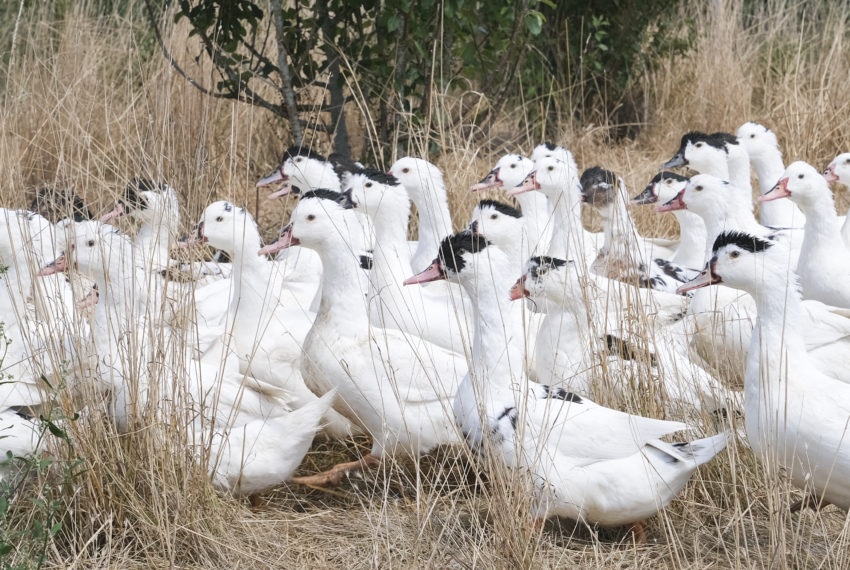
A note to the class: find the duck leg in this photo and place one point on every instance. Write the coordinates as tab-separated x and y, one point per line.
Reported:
334	475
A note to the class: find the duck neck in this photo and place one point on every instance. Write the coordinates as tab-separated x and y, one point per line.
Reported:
391	256
496	357
155	236
779	310
535	216
567	234
823	226
435	220
248	267
726	219
343	289
769	168
620	232
738	164
692	238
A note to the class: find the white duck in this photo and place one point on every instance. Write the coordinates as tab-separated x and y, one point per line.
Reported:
766	158
434	314
244	419
303	170
398	387
269	315
559	182
625	255
588	340
839	171
824	266
509	172
587	462
718	154
796	417
424	184
662	188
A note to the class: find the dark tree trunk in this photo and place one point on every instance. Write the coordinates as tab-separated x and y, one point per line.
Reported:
286	89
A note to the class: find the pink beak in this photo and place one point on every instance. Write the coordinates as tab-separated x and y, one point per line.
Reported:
116	212
285	240
829	174
677	203
530	183
90	301
489	181
434	272
777	192
518	291
193	239
274	177
704	279
58	265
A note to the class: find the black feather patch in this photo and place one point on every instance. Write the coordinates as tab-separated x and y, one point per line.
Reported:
366	262
744	241
343	164
380	177
540	265
598	185
556	393
296	150
500	207
325	194
550	146
133	198
58	204
666	174
453	247
625	350
716	140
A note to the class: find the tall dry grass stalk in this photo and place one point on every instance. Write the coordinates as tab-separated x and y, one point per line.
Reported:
88	103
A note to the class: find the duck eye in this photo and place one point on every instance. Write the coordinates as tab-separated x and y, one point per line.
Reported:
735	254
513	166
551	168
493	216
698	188
298	159
698	145
220	219
90	243
752	136
405	170
668	182
368	185
310	217
801	176
847	161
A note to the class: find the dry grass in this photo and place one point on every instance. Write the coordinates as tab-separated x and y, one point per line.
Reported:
87	106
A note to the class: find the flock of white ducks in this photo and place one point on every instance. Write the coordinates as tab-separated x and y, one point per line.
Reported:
499	336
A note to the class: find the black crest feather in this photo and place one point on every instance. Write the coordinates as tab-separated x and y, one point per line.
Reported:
717	140
666	174
598	185
333	196
296	150
745	241
453	247
380	176
500	207
550	146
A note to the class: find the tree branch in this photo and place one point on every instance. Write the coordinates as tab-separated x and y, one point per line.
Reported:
285	74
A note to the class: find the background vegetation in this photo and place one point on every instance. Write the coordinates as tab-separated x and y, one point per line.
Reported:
89	101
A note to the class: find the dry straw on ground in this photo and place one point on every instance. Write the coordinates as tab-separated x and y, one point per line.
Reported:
87	107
